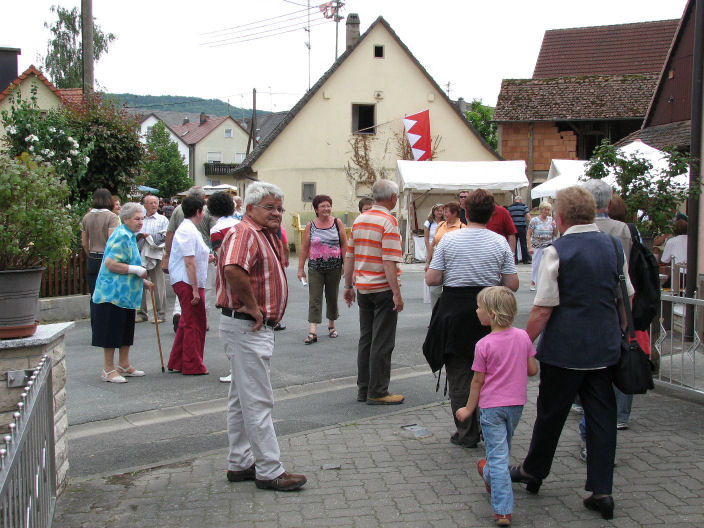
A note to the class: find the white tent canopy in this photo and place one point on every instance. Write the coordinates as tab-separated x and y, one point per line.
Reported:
565	173
454	176
423	177
562	174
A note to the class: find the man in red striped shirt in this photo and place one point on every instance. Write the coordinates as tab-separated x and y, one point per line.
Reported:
252	293
373	253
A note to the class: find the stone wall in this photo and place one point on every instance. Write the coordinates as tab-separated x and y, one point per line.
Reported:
19	354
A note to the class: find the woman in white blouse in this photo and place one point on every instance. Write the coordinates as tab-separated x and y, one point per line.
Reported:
188	269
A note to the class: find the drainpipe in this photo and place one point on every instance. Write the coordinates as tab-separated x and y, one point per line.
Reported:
695	170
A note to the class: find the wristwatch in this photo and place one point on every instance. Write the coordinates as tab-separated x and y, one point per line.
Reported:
349	287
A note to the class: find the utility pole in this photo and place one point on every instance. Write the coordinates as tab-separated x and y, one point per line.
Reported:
252	141
308	44
87	44
331	11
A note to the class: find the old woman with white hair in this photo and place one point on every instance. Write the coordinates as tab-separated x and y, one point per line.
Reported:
118	294
542	230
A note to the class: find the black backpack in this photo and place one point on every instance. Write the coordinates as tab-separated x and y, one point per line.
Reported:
645	277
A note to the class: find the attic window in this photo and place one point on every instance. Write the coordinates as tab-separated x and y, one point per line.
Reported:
228	132
379	51
363	119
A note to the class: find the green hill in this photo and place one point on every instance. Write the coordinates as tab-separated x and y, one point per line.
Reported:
177	103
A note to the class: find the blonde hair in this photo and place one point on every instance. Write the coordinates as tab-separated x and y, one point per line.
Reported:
545	205
431	215
576	206
499	303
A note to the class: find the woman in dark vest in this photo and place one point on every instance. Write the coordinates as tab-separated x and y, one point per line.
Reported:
577	284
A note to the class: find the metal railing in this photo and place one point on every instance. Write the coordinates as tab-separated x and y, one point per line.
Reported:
27	475
677	343
220	169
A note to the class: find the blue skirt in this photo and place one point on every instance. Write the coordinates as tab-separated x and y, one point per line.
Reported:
112	326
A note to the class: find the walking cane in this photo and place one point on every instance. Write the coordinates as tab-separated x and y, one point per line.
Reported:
156	324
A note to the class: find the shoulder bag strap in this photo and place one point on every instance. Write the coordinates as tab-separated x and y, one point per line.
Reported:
624	293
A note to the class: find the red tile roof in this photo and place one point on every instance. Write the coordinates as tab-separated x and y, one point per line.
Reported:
605	50
32	70
72	96
575	98
192	133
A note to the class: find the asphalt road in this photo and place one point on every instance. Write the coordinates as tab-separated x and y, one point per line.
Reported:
165	416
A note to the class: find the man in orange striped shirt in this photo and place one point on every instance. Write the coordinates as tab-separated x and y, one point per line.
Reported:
373	253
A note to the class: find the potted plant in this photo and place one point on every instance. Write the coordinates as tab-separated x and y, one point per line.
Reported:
36	225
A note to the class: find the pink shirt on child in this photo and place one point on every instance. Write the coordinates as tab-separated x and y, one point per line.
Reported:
503	358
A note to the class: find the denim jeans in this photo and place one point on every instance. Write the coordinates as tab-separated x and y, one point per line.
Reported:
498	424
623	406
623	412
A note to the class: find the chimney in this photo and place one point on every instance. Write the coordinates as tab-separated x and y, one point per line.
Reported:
352	29
8	66
203	118
185	120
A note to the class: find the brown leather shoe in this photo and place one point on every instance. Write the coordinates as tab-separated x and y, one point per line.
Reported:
284	482
241	476
389	399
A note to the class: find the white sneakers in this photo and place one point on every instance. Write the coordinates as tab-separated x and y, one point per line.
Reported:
532	286
226	379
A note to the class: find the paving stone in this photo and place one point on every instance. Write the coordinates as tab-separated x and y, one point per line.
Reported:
387	480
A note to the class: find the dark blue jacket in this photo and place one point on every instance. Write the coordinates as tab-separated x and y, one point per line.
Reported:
584	332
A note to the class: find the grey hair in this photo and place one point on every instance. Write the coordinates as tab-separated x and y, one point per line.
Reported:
257	191
129	209
196	191
383	190
601	191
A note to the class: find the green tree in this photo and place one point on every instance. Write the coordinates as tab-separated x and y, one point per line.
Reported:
117	153
164	166
652	195
63	60
481	117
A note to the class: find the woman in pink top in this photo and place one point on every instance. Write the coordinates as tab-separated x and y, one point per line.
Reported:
503	360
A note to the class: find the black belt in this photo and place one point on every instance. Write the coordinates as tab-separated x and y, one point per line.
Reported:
94	254
245	316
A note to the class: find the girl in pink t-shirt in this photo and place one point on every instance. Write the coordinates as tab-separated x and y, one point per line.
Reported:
503	360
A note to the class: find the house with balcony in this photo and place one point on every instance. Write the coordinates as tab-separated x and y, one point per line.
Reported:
216	148
589	84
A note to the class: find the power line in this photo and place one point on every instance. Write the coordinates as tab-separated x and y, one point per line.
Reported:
255	22
214	45
304	16
247	35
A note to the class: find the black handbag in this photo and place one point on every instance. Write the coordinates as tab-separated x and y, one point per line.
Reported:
633	374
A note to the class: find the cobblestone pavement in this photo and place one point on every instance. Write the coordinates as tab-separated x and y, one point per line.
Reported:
372	473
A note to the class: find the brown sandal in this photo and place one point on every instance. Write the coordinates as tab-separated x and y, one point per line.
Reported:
312	338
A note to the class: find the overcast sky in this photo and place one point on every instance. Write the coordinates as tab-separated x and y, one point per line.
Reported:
162	46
